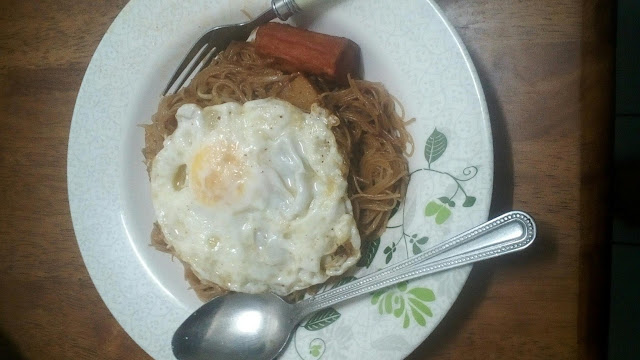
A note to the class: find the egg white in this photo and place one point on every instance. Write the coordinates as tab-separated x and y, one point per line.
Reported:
254	198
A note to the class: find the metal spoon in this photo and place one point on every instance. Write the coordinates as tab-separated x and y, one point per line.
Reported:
258	326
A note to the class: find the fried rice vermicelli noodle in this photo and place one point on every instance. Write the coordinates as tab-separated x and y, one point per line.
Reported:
370	134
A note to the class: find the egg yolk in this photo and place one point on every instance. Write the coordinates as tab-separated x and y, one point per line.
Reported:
217	174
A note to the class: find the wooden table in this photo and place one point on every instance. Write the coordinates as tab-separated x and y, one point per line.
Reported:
546	69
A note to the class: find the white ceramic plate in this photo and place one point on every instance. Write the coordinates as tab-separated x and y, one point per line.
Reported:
407	45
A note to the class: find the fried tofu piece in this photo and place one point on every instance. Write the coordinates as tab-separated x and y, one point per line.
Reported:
300	92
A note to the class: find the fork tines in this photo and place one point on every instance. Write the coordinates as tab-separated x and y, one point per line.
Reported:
202	53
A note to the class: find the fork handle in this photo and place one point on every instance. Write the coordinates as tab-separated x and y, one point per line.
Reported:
285	8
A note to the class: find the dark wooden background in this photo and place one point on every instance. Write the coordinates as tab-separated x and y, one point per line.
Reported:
546	69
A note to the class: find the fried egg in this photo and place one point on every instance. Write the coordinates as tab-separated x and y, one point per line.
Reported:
254	197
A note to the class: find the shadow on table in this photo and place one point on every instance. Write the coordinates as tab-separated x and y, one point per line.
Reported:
9	349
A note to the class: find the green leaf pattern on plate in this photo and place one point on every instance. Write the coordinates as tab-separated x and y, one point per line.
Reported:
435	146
316	348
440	208
404	303
322	319
368	253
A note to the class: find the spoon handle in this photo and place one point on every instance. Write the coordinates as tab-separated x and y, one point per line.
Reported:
507	233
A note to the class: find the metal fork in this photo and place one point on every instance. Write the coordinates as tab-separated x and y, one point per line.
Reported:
218	38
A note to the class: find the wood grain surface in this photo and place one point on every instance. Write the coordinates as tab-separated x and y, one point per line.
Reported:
546	69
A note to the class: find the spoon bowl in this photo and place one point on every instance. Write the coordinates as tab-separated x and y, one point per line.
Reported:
236	326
